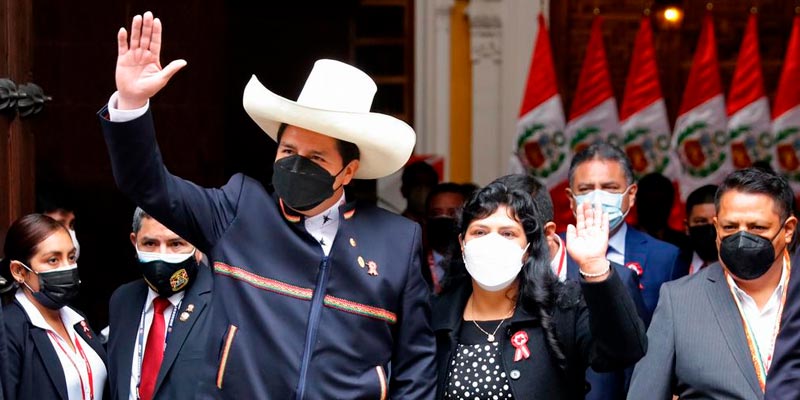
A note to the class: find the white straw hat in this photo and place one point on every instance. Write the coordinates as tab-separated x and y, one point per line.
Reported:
335	102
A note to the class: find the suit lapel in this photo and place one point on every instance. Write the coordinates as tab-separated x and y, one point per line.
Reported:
730	322
50	360
85	332
635	248
126	334
196	299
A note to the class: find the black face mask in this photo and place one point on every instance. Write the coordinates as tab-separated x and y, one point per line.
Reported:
747	256
167	278
301	183
704	241
442	233
56	288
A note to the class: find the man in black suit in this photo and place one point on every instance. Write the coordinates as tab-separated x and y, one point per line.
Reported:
175	277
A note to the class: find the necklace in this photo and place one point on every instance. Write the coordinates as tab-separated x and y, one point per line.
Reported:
489	336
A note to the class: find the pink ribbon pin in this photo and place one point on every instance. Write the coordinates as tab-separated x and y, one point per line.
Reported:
519	341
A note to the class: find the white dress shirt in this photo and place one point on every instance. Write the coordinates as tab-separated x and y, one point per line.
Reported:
696	264
147	319
762	321
324	225
616	245
72	363
559	261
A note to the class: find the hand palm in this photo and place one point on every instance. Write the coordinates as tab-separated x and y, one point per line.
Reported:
139	75
588	239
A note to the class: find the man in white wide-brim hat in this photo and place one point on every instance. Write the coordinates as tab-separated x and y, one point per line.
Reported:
314	297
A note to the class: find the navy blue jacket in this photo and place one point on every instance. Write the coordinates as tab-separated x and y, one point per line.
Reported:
34	370
783	379
185	354
603	330
294	323
658	261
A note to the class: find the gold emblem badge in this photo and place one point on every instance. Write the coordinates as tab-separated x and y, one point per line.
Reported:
178	280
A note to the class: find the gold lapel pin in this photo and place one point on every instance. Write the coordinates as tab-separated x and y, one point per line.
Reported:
190	308
361	262
184	316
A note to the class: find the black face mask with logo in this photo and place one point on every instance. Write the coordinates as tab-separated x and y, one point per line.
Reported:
704	241
301	183
167	278
747	256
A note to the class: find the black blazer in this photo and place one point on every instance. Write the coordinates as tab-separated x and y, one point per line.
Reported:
182	367
603	331
35	371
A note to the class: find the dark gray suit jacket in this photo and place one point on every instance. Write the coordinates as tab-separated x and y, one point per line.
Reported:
697	346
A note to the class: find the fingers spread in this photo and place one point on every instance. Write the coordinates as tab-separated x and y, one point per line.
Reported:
147	30
122	41
155	39
136	31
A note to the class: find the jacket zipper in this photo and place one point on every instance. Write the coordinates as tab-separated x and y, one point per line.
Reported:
313	324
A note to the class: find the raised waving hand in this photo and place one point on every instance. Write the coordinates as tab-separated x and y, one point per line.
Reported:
587	240
139	74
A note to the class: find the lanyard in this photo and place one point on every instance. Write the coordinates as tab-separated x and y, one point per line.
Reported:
762	366
140	340
85	360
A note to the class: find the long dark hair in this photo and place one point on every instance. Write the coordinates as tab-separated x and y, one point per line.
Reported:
537	283
23	239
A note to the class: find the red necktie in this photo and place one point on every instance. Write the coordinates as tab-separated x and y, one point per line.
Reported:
153	350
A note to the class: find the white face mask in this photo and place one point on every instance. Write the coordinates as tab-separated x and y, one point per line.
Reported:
493	261
75	242
172	258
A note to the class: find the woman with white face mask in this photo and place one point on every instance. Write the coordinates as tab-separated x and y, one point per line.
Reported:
506	328
52	351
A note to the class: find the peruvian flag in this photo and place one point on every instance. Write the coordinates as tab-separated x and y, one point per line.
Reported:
593	116
748	108
541	148
786	113
645	126
700	138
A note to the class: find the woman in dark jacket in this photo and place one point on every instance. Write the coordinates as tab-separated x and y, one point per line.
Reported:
507	329
52	351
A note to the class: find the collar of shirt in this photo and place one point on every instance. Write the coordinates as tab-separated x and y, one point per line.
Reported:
749	305
558	263
616	245
69	316
174	300
696	263
324	225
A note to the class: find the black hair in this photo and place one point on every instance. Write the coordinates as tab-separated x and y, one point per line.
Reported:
445	187
605	152
419	172
538	285
23	239
702	195
758	181
53	198
656	197
538	192
347	150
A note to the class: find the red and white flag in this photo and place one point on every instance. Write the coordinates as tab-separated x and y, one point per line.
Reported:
748	108
786	113
700	138
645	126
540	146
593	116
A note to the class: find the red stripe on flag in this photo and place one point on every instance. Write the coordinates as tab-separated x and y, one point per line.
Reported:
541	84
748	83
594	82
788	95
704	82
642	87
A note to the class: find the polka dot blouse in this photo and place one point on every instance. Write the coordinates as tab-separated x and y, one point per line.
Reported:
475	371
